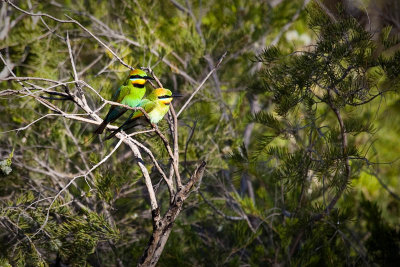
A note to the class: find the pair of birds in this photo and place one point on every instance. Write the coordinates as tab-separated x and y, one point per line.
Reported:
131	93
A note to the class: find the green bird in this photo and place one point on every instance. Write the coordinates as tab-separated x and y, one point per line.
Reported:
156	106
130	93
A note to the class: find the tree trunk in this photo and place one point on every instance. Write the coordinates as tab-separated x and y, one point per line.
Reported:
162	226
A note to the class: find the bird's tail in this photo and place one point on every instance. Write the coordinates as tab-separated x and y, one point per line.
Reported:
112	116
101	127
129	124
111	135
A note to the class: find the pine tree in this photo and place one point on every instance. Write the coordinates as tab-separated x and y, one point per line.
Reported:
294	135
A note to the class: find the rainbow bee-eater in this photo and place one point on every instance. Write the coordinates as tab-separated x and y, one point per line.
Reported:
156	105
130	93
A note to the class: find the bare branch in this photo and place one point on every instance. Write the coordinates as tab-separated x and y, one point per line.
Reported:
162	226
74	22
201	84
73	180
160	170
174	130
147	179
219	212
107	31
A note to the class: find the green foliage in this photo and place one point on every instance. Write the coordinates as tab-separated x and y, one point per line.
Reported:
318	94
384	242
270	123
268	120
79	236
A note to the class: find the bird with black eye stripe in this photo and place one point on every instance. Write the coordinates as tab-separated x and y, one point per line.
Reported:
130	93
156	106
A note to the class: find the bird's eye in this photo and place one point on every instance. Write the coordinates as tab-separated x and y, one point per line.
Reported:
135	77
164	96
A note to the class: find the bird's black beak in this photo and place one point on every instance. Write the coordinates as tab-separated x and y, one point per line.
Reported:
176	95
148	78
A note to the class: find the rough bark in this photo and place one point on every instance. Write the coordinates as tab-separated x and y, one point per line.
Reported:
162	226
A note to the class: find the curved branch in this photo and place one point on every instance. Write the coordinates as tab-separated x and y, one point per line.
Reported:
74	22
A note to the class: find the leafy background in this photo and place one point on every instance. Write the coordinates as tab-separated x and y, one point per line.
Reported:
241	212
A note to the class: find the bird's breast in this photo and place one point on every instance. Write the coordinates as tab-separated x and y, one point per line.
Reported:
158	113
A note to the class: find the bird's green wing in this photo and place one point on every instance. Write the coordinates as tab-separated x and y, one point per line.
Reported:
147	105
116	94
115	112
123	91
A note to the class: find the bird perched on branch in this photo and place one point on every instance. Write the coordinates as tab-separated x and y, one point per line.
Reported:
156	105
130	93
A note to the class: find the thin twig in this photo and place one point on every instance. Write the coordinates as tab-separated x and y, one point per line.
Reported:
201	84
72	180
74	22
231	218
